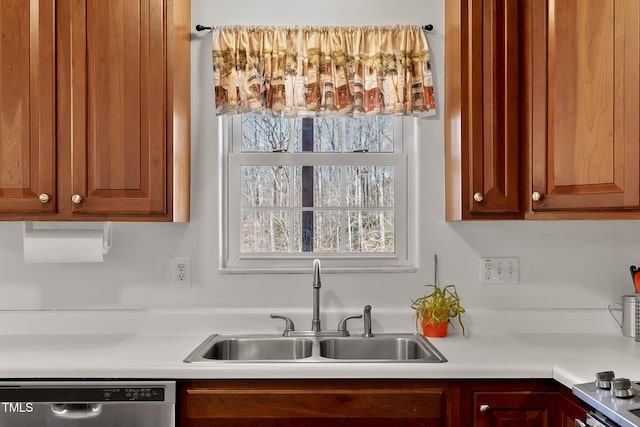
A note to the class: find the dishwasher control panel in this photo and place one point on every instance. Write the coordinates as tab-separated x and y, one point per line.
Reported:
144	394
82	394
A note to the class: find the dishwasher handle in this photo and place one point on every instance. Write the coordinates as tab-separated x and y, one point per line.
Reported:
76	411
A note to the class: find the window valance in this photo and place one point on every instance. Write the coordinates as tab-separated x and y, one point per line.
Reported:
313	71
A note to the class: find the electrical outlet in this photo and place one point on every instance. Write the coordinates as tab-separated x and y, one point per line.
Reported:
499	271
181	272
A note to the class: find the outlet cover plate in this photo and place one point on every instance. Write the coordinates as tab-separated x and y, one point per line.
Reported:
181	272
499	270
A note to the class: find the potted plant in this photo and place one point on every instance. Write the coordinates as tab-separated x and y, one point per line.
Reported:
434	310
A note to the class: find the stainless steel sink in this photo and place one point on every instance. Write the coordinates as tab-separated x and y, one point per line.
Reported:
381	348
276	348
219	347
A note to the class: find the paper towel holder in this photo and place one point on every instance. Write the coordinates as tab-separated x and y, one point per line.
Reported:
44	227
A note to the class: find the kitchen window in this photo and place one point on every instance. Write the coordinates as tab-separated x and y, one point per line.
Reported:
296	189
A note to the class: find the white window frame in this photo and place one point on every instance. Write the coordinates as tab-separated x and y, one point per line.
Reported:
404	159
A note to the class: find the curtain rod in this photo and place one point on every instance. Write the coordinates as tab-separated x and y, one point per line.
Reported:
199	27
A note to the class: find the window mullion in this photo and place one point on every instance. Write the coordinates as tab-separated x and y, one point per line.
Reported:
343	210
291	208
343	191
307	187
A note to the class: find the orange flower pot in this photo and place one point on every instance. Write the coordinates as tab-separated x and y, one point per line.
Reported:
436	330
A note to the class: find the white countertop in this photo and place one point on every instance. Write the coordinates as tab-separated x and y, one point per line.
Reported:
567	346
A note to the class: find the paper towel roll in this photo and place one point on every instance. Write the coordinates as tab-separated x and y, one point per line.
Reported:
63	246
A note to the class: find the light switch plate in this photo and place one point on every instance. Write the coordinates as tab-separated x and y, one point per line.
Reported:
499	271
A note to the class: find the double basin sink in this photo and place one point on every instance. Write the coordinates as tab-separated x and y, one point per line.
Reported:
278	348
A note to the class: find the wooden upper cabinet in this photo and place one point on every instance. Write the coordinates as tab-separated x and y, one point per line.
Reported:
584	94
119	95
95	110
483	109
27	106
119	107
542	117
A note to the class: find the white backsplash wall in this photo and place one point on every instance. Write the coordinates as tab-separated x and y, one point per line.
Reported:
563	264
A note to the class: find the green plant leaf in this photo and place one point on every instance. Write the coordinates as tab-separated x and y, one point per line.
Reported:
438	305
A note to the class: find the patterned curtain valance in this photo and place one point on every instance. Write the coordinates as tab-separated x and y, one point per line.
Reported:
311	71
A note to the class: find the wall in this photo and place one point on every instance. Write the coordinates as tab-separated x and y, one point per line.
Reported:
562	264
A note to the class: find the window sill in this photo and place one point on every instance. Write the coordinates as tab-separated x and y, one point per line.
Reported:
325	270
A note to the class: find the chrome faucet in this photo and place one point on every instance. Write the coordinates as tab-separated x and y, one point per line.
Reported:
316	330
367	322
315	321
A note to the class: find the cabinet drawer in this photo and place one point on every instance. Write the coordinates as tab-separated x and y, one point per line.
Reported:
312	403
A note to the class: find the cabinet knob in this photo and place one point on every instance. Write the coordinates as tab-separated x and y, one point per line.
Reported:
536	197
44	198
76	198
484	409
478	197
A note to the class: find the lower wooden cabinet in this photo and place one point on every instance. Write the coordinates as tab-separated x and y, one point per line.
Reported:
504	403
377	403
529	403
570	408
316	403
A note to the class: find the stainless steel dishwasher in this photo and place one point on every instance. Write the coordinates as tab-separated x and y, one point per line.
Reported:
87	404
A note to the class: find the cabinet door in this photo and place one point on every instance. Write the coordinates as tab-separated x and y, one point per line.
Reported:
310	403
484	131
585	105
27	106
494	104
570	408
510	408
117	106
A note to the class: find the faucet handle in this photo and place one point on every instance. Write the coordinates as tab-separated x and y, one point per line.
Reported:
288	327
342	324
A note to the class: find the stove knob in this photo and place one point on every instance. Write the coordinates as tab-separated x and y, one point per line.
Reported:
603	379
622	388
